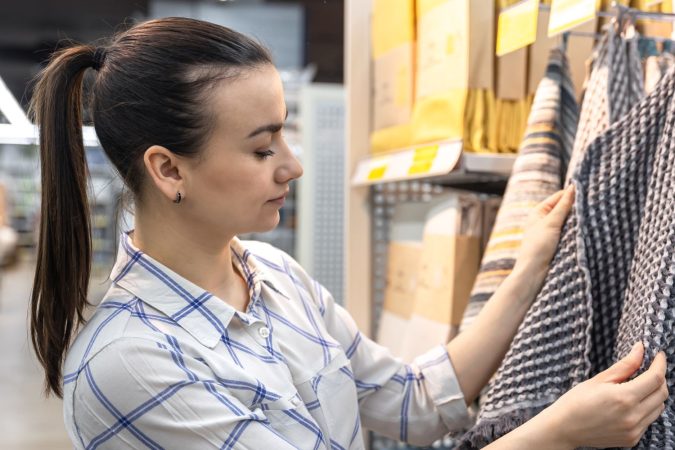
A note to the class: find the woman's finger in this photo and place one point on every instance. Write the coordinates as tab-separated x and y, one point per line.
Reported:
651	380
624	368
651	417
654	402
563	207
546	206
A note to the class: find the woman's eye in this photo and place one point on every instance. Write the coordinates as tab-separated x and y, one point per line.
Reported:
264	154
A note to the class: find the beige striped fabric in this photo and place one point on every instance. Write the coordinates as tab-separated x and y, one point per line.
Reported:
537	173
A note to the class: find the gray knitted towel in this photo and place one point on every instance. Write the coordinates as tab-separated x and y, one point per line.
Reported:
614	86
611	280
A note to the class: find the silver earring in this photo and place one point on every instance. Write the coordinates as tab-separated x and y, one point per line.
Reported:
178	198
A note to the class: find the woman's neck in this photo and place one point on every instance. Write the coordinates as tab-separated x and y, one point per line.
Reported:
199	257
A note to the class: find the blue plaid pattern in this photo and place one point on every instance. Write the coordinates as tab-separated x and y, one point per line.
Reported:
164	364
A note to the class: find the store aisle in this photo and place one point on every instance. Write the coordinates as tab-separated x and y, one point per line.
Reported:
28	421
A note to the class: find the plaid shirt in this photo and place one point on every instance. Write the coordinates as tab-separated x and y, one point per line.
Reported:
165	364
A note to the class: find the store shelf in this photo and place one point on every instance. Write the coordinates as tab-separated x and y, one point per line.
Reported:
443	161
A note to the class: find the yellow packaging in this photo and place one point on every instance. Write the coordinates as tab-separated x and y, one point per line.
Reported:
393	49
455	47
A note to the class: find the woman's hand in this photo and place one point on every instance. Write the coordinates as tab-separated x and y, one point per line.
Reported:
542	235
607	410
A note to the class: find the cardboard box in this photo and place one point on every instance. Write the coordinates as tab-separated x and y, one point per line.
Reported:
399	295
491	207
511	75
579	51
393	86
448	267
405	249
539	52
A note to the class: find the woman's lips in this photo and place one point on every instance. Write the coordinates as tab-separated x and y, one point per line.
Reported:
279	201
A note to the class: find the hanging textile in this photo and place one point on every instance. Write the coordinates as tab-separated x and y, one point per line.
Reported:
537	173
614	86
611	282
655	69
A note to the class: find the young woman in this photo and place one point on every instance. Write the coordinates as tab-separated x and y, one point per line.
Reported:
205	341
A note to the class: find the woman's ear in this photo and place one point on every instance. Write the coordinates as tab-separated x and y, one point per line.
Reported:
166	170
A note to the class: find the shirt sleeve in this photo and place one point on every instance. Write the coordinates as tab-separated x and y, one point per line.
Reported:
417	403
137	393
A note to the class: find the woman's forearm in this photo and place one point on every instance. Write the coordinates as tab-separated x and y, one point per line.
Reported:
477	353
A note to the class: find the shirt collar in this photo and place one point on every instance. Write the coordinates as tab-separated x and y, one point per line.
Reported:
196	310
255	273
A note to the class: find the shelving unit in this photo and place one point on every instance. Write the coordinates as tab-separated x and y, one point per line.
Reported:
374	184
440	163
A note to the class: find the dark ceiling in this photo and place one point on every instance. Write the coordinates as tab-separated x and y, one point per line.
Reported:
31	29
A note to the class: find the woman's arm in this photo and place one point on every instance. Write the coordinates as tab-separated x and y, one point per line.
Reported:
605	411
477	353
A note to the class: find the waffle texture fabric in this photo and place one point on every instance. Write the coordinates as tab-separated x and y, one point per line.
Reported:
538	172
613	88
611	282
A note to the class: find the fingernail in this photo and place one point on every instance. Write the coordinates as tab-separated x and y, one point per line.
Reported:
635	347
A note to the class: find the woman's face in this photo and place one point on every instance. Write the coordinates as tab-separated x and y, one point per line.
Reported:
239	182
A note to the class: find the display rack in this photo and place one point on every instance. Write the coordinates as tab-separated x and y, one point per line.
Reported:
20	171
376	183
320	232
441	163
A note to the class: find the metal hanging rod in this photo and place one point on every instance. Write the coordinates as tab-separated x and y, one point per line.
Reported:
598	36
626	10
637	14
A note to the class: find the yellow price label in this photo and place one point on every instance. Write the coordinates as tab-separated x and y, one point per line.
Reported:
423	159
425	153
420	167
377	173
517	26
567	14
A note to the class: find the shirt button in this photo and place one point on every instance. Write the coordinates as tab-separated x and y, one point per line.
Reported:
264	332
296	401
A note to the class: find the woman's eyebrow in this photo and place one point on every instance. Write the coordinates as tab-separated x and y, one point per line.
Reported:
269	128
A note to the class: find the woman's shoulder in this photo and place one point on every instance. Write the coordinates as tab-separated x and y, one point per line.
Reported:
113	322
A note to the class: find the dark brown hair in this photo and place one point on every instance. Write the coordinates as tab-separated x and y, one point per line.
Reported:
150	89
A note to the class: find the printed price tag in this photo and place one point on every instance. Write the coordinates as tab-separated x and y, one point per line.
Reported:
377	173
517	26
567	14
423	159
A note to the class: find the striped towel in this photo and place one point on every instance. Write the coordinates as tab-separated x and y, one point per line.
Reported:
614	86
537	173
612	279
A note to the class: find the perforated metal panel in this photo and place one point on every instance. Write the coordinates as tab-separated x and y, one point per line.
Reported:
320	240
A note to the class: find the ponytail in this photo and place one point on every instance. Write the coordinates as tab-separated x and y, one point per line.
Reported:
64	249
